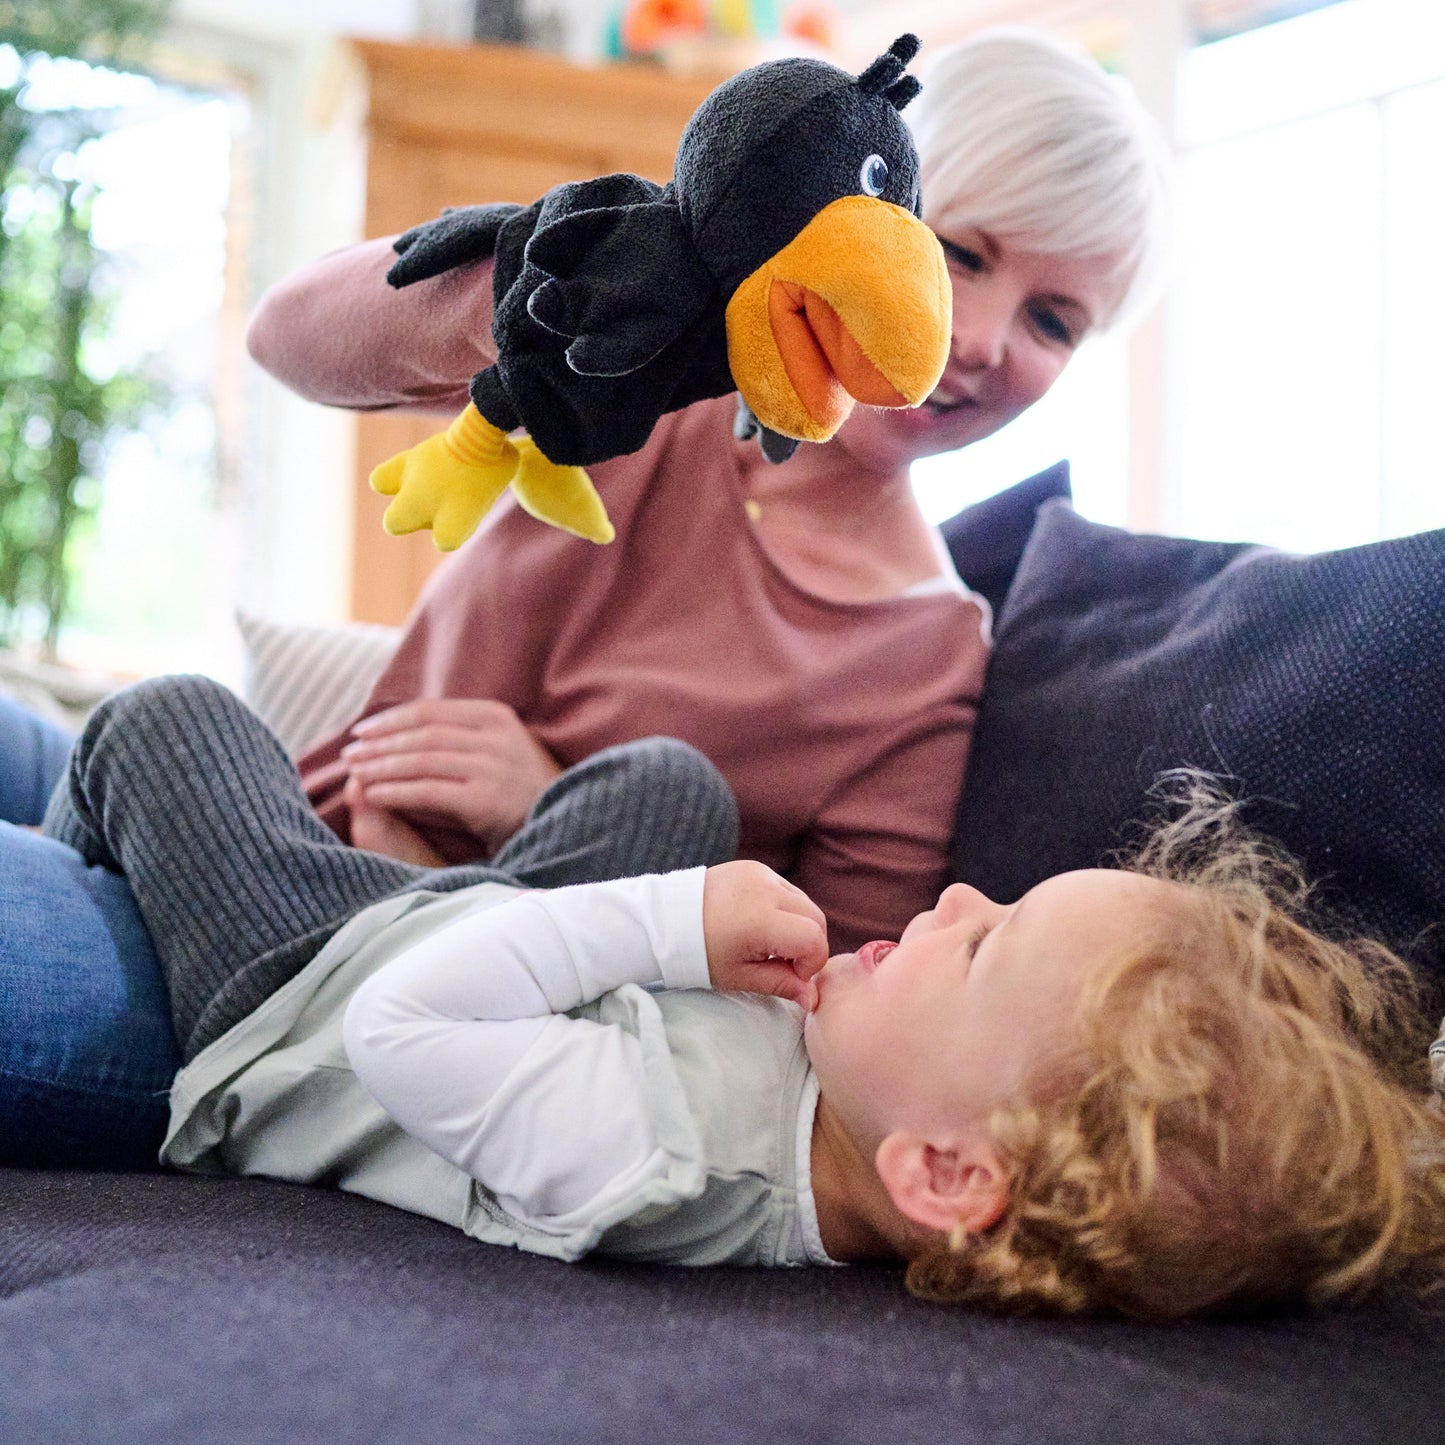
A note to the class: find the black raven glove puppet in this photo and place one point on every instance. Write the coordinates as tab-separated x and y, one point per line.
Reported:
785	260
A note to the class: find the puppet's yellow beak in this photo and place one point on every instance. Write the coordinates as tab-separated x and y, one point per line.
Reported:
856	307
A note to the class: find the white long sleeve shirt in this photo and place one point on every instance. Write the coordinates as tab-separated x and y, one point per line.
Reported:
563	1075
466	1041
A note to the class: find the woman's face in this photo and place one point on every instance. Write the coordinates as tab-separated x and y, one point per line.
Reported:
1017	318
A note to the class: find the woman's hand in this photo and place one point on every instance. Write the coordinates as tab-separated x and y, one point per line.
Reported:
763	935
464	762
378	831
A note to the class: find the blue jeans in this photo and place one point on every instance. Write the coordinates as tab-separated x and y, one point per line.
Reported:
32	757
86	1047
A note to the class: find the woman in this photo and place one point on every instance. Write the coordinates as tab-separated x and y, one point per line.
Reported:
833	677
843	660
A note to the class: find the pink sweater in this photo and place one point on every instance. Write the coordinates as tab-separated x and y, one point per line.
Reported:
843	728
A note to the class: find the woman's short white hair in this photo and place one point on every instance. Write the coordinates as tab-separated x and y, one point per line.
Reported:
1028	140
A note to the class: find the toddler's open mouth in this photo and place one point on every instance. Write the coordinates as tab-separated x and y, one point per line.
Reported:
872	954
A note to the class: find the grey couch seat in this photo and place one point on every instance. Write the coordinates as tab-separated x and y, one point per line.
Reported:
163	1308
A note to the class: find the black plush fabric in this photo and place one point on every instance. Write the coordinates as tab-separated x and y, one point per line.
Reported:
610	293
164	1310
987	540
1313	684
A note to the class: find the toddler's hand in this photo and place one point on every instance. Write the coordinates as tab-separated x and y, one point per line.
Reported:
763	935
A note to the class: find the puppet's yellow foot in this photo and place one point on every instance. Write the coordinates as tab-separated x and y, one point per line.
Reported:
447	482
563	496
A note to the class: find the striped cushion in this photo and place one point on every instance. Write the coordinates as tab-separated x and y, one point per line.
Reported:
306	682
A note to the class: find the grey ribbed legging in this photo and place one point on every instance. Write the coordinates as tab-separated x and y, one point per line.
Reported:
179	786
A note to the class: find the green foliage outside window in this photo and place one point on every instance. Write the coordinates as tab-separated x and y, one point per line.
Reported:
58	410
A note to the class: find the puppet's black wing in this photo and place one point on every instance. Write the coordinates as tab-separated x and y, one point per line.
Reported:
623	281
459	236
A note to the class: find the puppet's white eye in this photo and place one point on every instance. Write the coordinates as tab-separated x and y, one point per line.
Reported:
873	176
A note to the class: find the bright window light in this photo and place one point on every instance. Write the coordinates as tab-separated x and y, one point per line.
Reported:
153	573
1306	362
1084	418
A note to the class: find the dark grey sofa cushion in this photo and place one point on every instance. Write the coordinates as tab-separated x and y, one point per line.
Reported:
987	540
1315	684
166	1310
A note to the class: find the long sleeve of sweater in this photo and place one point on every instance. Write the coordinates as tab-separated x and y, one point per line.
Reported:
335	332
465	1042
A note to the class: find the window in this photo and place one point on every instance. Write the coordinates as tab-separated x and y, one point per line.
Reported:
1305	359
154	577
149	567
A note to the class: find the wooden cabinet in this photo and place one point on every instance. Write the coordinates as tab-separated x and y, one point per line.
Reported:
451	127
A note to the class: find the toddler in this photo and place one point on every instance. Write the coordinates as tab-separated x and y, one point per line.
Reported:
1147	1090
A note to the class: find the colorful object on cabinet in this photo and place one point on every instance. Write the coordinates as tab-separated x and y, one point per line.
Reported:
784	260
815	22
646	26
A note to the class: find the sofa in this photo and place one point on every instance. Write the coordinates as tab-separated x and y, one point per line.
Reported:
157	1308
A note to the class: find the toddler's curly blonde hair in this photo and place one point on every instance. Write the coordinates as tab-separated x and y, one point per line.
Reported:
1245	1119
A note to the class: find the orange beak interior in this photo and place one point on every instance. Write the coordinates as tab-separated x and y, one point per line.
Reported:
825	364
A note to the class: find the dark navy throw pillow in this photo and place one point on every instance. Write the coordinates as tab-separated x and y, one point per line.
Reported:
1315	685
987	540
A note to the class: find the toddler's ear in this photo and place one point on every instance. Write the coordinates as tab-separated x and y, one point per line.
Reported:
940	1186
